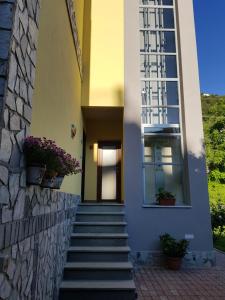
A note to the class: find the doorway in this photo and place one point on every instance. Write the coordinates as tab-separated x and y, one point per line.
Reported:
109	171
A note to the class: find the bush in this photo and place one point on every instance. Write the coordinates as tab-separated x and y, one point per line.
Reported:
218	219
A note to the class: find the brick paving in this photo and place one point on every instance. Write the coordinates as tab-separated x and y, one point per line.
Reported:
201	284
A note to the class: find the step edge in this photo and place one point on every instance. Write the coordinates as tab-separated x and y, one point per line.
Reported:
98	266
100	249
98	285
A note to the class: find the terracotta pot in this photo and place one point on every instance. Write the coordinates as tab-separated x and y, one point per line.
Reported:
174	263
35	174
58	182
167	202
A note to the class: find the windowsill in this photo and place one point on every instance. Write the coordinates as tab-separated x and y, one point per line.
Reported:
166	206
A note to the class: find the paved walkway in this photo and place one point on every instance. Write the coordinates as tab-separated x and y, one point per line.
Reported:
160	284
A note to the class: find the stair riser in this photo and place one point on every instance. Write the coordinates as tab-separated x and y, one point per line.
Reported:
98	242
98	229
100	218
96	256
90	274
100	208
97	295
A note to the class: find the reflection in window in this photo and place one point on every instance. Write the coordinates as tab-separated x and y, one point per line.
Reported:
156	18
160	115
158	66
158	41
158	93
156	2
163	167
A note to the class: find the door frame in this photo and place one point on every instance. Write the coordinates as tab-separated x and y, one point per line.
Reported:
118	145
83	166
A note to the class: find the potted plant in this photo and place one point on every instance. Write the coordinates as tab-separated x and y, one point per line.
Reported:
68	166
165	198
173	250
52	162
34	154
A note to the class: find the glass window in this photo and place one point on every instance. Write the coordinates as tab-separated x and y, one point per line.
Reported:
161	130
156	18
162	149
168	177
158	93
157	41
160	115
156	2
158	66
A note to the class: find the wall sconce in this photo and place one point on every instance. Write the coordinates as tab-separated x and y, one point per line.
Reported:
73	131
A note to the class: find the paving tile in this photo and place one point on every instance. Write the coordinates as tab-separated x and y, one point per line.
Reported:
190	284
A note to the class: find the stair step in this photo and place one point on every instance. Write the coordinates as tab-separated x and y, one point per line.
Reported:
99	285
100	216
99	265
101	254
99	239
107	207
98	271
99	227
97	290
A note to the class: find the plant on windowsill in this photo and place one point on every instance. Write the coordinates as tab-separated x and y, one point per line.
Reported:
35	154
165	198
173	250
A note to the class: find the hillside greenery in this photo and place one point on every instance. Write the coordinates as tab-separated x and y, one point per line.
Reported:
213	108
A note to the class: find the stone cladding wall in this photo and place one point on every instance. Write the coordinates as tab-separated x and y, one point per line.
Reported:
35	224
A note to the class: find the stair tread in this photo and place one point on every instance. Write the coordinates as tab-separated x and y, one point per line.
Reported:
99	249
103	213
99	285
101	223
101	204
99	265
100	235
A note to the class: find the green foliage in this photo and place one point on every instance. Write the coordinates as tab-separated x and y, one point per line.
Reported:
218	219
162	194
173	248
214	128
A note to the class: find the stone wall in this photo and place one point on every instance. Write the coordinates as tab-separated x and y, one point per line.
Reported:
33	246
35	224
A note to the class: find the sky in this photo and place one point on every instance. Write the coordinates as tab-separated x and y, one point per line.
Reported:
210	30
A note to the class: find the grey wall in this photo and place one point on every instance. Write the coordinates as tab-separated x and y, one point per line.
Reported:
146	224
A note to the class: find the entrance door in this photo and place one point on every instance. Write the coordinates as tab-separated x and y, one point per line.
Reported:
109	171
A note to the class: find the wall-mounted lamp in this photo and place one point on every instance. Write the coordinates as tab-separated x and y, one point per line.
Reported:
73	131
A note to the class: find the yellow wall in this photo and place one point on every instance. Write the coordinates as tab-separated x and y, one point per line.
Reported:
103	53
57	95
98	131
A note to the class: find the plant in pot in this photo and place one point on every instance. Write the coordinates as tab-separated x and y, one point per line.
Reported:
34	153
165	198
173	250
68	166
52	162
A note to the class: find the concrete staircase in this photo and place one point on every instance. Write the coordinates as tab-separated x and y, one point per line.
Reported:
98	266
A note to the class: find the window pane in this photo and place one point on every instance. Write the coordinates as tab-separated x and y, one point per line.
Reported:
162	149
161	130
156	18
158	41
156	2
158	66
159	93
160	115
168	177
